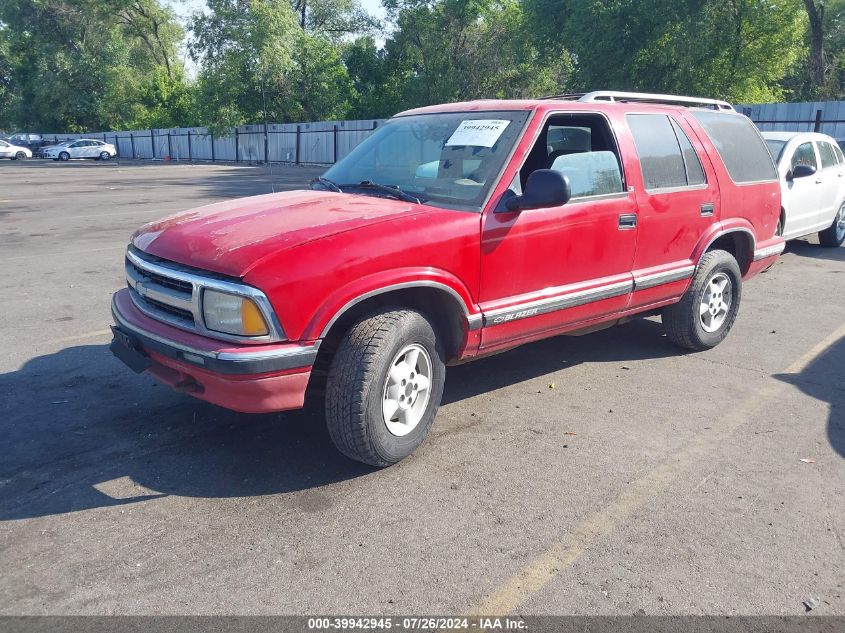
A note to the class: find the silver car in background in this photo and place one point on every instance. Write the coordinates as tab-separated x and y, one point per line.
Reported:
81	148
15	152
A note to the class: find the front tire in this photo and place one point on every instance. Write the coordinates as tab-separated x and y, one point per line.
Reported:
707	311
105	156
64	156
834	235
384	386
20	156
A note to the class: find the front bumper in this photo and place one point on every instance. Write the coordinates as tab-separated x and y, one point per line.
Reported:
247	378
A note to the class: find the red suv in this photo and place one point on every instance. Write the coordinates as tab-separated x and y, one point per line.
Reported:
453	232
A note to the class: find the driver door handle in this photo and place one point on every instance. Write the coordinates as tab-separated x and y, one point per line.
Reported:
627	221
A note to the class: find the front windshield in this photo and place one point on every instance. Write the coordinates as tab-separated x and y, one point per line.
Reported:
449	159
775	148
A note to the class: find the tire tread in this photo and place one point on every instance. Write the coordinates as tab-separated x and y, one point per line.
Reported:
356	363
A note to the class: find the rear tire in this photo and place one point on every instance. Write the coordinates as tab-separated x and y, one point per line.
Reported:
707	311
834	235
380	403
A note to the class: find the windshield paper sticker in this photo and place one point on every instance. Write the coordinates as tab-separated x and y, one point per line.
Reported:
478	133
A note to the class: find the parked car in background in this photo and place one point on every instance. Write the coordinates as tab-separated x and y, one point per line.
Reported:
453	232
81	148
811	167
15	152
30	140
41	152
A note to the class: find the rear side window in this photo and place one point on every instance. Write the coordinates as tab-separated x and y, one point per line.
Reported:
804	155
695	173
667	158
839	157
827	155
739	145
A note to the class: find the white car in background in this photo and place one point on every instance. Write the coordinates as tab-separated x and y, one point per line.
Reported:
81	148
812	173
15	152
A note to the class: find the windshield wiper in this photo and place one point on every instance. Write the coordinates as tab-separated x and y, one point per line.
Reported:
394	192
331	185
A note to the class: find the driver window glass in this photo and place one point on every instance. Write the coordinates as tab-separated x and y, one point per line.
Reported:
582	148
804	155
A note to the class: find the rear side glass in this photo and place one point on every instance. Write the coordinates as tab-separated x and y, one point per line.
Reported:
827	155
695	173
661	160
839	157
804	155
740	146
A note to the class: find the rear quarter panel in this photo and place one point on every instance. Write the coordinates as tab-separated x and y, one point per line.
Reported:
755	205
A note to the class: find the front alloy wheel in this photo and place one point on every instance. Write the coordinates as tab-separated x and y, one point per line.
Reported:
384	386
105	156
64	156
407	390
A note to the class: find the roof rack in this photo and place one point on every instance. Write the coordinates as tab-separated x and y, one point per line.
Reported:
642	97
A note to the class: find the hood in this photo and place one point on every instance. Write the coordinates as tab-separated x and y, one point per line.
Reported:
231	237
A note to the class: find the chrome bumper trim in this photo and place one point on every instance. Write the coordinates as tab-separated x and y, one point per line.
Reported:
247	362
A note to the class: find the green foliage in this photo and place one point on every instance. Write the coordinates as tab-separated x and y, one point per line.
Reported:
256	59
733	49
74	65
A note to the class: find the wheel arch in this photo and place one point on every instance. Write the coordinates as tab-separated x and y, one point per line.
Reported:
441	303
738	240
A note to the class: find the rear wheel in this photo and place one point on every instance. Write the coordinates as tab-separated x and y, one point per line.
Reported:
384	386
834	235
706	313
64	156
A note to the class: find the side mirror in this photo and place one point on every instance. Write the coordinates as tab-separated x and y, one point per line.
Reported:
545	188
800	171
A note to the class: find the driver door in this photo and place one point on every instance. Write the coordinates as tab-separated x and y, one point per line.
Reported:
558	268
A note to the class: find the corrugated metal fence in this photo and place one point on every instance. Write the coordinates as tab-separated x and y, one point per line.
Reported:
326	142
827	117
321	143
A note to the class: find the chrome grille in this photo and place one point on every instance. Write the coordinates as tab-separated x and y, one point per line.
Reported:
172	293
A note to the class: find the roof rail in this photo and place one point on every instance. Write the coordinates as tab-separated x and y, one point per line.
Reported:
643	97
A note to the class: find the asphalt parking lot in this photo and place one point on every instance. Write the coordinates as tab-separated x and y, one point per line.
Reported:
604	474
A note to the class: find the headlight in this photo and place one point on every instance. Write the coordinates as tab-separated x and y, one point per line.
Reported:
232	314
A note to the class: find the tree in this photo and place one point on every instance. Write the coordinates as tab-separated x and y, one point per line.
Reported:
466	49
256	60
734	49
75	65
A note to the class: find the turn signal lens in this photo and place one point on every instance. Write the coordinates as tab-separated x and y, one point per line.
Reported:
232	314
